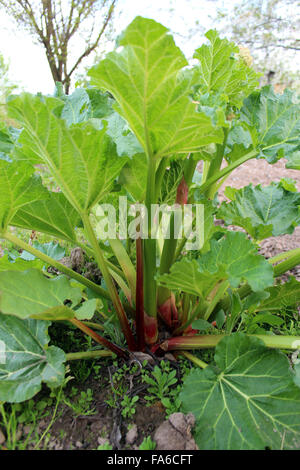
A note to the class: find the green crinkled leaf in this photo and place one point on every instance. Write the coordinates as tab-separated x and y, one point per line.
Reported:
248	401
84	104
92	104
223	72
83	160
253	300
274	122
238	143
233	257
76	107
101	104
185	276
19	264
51	249
6	143
289	184
126	142
54	250
29	293
294	161
170	182
263	211
58	313
201	325
152	92
216	61
209	228
281	296
134	177
236	257
87	309
266	318
54	371
297	373
213	105
28	359
54	216
18	187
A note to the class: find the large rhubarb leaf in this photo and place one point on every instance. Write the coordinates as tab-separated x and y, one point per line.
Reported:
274	122
82	159
54	216
232	258
29	294
223	71
18	187
28	359
247	401
152	92
263	211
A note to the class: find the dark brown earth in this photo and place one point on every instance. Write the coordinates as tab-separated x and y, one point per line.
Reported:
107	426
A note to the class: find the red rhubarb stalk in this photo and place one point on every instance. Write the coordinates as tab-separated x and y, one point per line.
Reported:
99	339
150	329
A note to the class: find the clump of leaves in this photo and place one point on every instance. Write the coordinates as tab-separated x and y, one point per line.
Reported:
147	444
128	406
80	403
142	127
160	382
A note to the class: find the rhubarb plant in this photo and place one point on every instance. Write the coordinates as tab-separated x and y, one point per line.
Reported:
131	143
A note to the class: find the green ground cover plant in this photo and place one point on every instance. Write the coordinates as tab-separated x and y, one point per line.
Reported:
138	132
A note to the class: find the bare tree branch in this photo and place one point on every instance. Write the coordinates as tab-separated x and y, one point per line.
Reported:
55	24
95	44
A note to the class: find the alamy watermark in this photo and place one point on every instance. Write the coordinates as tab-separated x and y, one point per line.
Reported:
2	352
134	221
